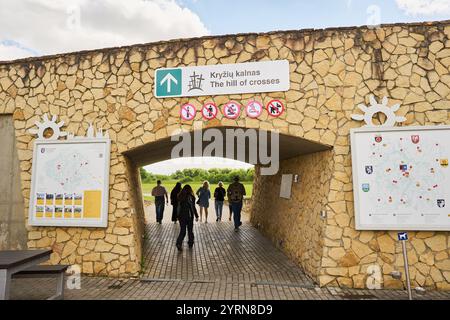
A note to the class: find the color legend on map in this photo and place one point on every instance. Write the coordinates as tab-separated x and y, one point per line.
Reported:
86	205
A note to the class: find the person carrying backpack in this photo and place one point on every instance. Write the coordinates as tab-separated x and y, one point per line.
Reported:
236	193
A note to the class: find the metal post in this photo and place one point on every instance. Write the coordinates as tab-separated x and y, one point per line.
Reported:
5	279
405	259
60	284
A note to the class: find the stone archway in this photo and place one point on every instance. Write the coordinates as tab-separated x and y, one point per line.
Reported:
274	216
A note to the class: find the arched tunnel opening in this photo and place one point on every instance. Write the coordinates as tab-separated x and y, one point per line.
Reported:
282	213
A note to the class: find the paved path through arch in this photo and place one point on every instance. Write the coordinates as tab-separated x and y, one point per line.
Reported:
219	255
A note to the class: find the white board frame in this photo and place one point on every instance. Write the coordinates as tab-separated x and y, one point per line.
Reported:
286	186
356	183
78	222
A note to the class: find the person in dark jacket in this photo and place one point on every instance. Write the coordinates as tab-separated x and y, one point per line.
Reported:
186	213
219	196
174	201
236	193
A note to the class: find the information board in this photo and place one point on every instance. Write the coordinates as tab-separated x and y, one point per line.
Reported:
70	183
401	178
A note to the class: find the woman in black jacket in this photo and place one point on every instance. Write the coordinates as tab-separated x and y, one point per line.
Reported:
186	213
174	201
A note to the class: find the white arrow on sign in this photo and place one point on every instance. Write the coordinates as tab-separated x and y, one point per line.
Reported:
169	78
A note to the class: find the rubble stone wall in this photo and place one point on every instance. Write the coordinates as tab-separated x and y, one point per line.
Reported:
295	225
332	71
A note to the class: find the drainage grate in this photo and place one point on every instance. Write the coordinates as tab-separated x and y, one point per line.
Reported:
116	286
358	296
201	281
175	280
281	284
158	280
252	284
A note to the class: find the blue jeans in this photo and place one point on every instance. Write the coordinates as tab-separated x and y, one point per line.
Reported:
218	206
159	205
236	208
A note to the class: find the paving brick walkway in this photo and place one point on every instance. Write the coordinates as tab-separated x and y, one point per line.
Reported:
219	254
222	265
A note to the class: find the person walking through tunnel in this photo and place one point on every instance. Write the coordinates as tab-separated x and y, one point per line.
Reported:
204	195
159	192
219	198
236	193
174	201
186	212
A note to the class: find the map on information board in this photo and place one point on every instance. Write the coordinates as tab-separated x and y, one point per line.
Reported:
401	178
70	183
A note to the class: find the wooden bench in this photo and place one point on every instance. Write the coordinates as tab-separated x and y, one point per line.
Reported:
42	271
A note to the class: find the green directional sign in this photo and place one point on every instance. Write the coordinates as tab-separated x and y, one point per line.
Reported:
222	79
168	82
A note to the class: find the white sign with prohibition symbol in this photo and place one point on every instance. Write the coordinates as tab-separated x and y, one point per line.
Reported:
254	109
275	108
209	111
188	112
232	110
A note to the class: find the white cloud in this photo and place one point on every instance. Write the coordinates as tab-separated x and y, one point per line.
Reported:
424	7
54	26
12	50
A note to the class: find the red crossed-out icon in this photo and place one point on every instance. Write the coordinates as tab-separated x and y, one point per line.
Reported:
275	108
232	110
253	109
209	111
188	112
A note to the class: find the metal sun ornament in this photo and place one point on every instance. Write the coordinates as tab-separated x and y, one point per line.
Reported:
374	108
48	124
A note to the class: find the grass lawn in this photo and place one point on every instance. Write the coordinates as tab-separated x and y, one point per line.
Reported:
169	184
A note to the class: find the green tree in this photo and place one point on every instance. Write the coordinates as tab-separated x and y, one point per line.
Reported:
143	173
213	175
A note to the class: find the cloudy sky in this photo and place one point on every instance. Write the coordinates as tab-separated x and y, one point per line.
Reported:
41	27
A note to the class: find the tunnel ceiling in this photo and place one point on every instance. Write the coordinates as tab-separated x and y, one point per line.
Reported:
160	150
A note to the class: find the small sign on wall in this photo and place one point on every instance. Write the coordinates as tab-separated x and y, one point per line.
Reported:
286	186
